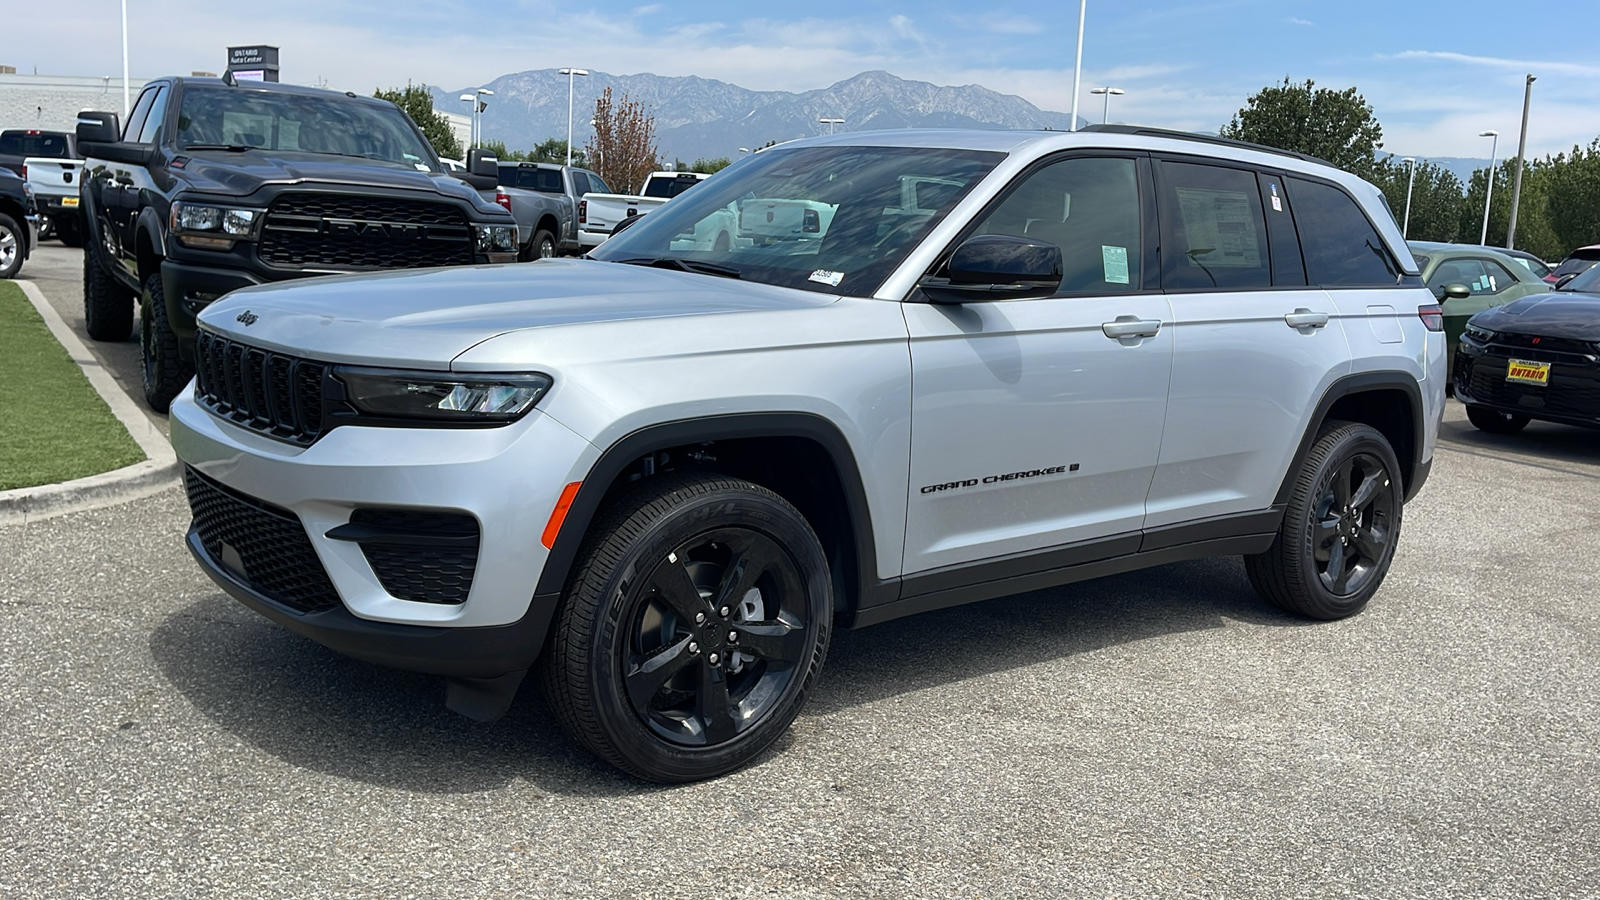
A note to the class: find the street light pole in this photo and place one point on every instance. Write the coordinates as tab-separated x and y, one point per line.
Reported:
1516	180
125	105
1483	236
478	105
472	119
1077	66
1411	163
570	73
1108	91
830	123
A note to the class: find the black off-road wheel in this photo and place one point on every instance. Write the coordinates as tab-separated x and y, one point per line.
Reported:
164	371
692	633
107	305
1340	529
13	246
1495	421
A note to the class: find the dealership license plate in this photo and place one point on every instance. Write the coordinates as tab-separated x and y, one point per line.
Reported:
1524	372
69	202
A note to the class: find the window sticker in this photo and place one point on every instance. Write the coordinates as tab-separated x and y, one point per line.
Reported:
1115	261
1277	204
1221	230
823	276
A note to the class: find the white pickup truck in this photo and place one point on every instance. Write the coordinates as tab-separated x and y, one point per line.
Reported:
55	184
599	214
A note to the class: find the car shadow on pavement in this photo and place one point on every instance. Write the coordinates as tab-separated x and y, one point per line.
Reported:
1545	442
315	709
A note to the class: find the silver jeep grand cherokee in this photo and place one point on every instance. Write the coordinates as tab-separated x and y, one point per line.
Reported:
929	368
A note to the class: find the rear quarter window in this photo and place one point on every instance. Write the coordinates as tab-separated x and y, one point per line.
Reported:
1341	247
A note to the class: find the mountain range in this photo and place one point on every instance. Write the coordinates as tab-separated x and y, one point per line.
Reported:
703	118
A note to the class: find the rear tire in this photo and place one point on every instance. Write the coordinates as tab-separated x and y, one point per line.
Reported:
693	630
164	371
1495	421
107	305
543	245
1340	529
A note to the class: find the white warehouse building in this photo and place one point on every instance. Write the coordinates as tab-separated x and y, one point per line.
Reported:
52	102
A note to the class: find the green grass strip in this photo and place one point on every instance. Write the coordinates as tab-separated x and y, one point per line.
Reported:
53	426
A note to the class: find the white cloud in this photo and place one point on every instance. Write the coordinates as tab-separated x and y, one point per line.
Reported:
1500	63
1294	20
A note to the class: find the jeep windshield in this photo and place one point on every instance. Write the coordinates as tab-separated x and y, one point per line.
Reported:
240	119
831	219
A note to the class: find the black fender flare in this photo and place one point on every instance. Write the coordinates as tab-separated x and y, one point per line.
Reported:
150	225
631	447
1360	383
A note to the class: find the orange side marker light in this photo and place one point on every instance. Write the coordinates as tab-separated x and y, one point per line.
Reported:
559	514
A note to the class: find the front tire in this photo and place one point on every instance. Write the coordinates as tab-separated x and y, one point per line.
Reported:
107	305
13	246
164	371
1495	421
1340	529
695	626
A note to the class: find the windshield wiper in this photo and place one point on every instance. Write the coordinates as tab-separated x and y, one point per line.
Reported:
231	148
683	265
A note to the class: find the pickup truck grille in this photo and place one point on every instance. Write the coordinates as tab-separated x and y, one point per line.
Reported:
274	394
349	232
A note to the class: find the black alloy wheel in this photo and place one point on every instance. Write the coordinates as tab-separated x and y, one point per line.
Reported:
1339	529
693	630
164	371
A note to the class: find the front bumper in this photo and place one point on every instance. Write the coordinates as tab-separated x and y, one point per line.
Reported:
1572	396
508	479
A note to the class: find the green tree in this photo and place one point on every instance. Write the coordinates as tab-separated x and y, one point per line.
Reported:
710	166
1435	198
1571	183
498	149
417	102
1337	126
554	150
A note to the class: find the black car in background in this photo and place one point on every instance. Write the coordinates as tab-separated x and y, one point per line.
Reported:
19	223
18	144
1534	358
216	185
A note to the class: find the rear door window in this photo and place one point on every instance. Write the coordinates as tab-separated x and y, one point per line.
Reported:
1341	247
1214	234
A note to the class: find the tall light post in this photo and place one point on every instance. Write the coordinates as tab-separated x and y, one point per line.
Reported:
125	105
830	123
1483	236
472	119
1411	164
1516	181
478	107
1105	111
570	73
1077	66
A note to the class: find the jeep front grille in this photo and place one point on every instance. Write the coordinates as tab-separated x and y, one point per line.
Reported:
342	232
264	546
271	393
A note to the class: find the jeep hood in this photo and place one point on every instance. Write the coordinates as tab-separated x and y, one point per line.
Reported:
242	174
1558	314
426	318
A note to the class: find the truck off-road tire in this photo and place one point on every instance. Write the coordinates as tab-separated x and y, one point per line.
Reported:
543	245
692	632
13	246
1340	529
163	371
107	305
68	231
1495	421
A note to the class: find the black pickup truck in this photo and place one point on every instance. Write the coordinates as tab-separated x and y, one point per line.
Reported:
214	185
19	225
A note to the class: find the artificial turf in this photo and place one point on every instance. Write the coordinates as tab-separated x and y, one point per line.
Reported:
53	426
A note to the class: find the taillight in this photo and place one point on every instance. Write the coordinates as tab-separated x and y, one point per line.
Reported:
503	198
24	172
583	212
1432	316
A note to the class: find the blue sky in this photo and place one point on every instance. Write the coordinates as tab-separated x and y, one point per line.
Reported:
1437	73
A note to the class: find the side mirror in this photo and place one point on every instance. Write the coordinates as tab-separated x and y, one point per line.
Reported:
98	128
1563	280
1455	292
625	223
997	267
483	170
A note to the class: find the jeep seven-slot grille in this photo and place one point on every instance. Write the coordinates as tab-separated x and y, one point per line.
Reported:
348	232
263	545
277	395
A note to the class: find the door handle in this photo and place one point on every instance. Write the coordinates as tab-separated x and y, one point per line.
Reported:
1131	327
1305	318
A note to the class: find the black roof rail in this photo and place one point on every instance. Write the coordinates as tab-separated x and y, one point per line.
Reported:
1146	131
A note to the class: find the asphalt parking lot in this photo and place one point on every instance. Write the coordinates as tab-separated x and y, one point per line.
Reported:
1161	733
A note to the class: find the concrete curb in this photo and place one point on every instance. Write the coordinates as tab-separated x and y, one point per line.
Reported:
158	472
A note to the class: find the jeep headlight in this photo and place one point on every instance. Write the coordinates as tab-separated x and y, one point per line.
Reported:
202	218
441	396
496	238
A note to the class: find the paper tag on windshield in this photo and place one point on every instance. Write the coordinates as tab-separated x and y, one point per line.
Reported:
823	276
1115	262
422	167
